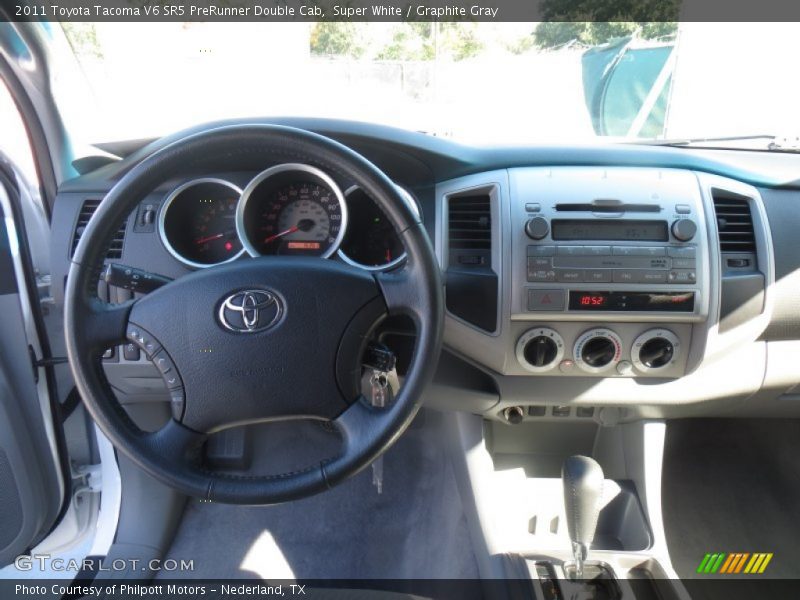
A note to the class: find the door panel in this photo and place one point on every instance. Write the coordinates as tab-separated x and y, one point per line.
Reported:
31	488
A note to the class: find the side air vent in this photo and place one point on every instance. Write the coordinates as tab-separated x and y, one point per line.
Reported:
470	223
734	222
472	287
87	210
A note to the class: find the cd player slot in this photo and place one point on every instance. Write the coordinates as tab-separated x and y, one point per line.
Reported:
607	207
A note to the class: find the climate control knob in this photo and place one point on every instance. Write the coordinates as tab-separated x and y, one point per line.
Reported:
537	228
655	349
540	349
597	350
684	229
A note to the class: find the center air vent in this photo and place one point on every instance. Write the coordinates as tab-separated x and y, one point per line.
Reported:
470	222
734	222
87	210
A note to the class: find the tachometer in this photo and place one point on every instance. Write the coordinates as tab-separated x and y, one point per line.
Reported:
197	223
292	209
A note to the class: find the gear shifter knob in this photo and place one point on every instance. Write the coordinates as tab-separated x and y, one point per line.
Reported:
583	489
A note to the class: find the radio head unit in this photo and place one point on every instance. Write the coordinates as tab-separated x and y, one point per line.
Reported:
587	243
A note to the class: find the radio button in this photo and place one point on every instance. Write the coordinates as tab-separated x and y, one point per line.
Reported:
598	276
533	207
625	276
597	250
541	250
684	263
683	209
653	277
611	262
682	277
638	250
570	250
541	275
567	275
546	300
540	262
682	251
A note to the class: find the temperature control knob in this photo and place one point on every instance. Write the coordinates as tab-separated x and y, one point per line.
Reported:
540	349
537	228
655	349
597	350
684	229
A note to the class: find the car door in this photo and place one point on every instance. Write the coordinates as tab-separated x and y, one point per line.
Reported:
32	487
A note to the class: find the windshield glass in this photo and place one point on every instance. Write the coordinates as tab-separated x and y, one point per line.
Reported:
474	82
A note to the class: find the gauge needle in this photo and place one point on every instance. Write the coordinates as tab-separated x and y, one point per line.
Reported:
281	234
211	238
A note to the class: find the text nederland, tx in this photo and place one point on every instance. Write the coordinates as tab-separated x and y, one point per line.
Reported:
124	589
256	11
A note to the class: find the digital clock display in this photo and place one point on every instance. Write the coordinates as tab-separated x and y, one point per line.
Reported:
611	230
593	300
632	301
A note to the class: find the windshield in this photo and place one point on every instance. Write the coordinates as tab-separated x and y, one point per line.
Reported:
479	83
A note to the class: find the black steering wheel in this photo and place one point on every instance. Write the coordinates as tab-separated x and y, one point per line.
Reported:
298	355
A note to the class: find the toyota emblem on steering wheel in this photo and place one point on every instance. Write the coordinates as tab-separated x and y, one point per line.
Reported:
250	311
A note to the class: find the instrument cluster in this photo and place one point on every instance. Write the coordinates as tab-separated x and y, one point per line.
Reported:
289	209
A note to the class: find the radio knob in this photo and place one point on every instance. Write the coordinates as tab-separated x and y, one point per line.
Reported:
684	229
537	228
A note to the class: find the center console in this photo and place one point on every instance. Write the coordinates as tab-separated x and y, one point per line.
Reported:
587	286
616	261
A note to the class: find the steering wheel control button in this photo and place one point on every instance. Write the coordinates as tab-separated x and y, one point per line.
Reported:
163	363
546	300
540	349
145	340
597	350
655	349
177	399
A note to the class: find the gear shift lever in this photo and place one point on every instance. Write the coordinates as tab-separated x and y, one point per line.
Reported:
583	488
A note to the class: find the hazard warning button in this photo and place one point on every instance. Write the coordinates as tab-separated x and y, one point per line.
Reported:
545	299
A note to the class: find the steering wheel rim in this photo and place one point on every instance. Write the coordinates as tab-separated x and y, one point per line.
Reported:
169	454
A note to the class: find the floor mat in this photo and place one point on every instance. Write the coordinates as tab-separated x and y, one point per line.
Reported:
415	529
733	485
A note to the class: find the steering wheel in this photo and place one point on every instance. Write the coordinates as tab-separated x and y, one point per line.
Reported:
263	339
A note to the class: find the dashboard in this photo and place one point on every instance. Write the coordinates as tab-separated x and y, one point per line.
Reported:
606	283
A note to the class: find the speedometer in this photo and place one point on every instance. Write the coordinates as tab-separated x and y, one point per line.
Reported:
292	209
